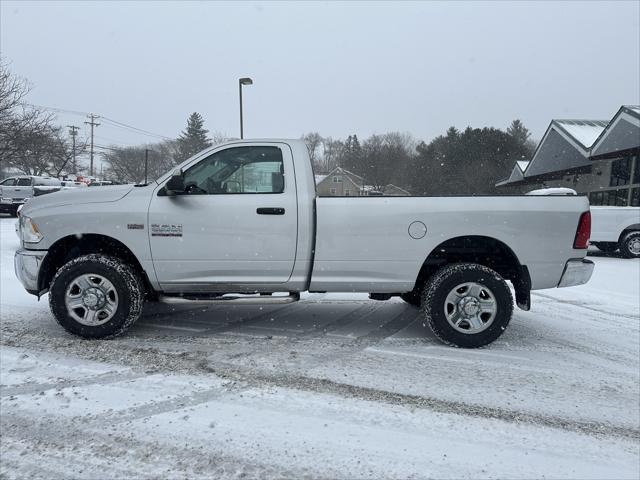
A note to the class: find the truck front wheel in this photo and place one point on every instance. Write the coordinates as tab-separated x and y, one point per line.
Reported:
96	296
630	245
467	305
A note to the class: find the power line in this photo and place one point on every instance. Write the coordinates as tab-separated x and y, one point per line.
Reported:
112	122
113	149
115	141
61	110
136	129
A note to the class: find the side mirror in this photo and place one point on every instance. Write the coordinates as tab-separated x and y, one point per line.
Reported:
175	185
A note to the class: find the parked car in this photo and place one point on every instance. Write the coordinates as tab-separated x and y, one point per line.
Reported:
67	184
616	228
100	183
553	191
242	221
612	228
15	191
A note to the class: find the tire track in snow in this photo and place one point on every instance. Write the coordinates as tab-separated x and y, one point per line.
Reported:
55	443
154	359
101	379
326	386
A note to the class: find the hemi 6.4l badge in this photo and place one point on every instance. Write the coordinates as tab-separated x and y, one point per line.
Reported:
166	230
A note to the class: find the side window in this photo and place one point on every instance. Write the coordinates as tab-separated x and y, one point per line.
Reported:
620	172
23	182
237	170
8	182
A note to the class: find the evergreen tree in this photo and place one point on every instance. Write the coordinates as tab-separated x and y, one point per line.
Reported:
352	155
519	132
467	163
194	138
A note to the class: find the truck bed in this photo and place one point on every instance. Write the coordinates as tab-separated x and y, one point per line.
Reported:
363	243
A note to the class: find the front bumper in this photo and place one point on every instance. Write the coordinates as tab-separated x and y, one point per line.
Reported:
10	205
27	266
576	272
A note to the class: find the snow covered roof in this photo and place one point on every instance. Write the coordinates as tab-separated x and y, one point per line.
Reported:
584	131
634	108
516	174
621	135
571	145
320	178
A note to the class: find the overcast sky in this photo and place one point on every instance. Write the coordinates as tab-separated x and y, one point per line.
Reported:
334	68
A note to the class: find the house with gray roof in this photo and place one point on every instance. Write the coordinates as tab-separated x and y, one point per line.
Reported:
343	183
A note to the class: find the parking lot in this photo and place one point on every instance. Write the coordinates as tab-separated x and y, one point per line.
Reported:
334	385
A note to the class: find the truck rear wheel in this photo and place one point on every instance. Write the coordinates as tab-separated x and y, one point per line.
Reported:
467	305
630	245
96	296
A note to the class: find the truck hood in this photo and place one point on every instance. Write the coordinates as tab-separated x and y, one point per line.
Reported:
77	196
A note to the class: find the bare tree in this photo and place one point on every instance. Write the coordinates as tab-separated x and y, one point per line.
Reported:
332	152
386	159
45	151
127	164
23	129
313	141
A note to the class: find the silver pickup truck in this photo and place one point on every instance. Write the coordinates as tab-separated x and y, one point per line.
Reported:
15	191
241	223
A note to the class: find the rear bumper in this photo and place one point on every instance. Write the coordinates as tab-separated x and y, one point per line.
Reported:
576	272
27	266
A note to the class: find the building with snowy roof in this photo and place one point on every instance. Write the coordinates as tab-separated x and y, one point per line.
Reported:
599	158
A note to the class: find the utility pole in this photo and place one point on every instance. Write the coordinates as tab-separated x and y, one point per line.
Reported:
146	164
73	131
93	124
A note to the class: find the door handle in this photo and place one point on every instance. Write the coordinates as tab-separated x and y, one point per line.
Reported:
270	211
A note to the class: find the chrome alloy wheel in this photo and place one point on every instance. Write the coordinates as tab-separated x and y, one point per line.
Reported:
91	299
470	308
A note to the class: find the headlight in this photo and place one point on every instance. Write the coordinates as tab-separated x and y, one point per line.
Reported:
30	232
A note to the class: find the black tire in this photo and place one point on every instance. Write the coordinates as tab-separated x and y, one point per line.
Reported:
443	282
608	247
629	245
412	298
126	282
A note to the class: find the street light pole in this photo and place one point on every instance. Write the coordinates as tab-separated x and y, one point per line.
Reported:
241	82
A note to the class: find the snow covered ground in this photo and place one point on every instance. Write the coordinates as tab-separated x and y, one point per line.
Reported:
334	386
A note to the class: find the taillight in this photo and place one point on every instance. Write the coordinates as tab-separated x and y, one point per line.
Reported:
584	231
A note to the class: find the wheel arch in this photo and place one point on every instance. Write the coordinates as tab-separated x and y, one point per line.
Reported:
483	250
625	231
67	248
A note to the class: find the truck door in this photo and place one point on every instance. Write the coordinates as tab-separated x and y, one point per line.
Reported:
236	223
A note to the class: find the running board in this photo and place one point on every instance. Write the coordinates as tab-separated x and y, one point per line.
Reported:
231	300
